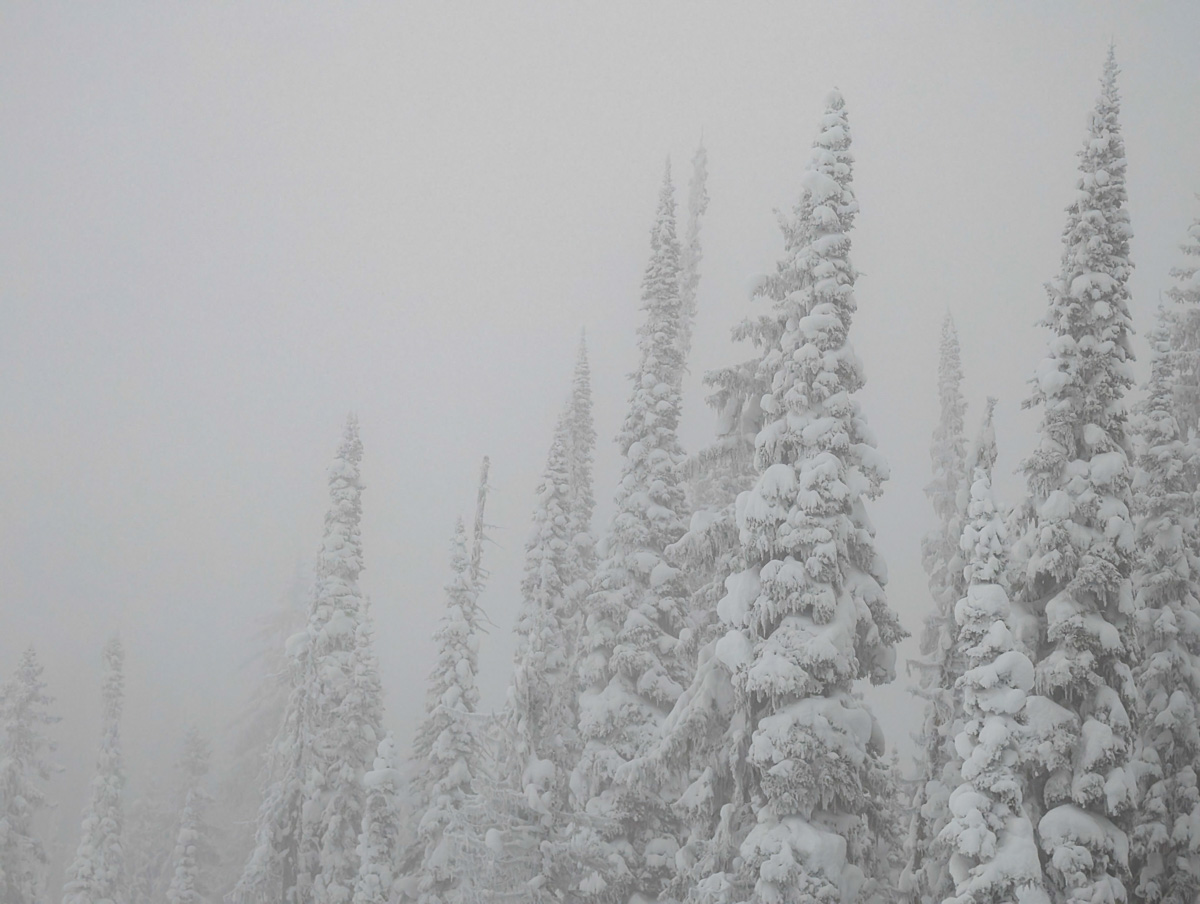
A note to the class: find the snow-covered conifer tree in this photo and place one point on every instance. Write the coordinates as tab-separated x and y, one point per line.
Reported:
808	616
24	766
1186	333
382	829
540	719
581	451
342	711
448	744
194	849
244	779
690	252
994	858
308	824
630	672
926	877
792	781
1166	839
1075	552
95	875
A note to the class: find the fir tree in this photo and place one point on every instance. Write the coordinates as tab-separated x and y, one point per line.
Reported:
343	713
994	859
926	877
788	786
1186	333
1166	840
24	766
541	733
151	820
268	671
631	672
380	842
581	503
308	824
690	253
95	875
194	851
1075	552
447	747
808	616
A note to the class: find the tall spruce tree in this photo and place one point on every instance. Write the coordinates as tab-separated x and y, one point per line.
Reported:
308	824
1075	553
788	785
926	878
1166	581
448	745
245	778
994	858
194	852
581	452
1186	332
25	765
808	615
690	252
95	875
631	672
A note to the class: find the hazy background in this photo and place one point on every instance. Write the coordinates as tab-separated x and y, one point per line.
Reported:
223	226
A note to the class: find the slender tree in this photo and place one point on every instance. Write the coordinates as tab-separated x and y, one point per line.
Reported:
1075	553
194	850
25	765
449	742
994	858
267	672
541	718
1166	581
1186	332
308	824
927	879
631	671
95	875
581	451
690	252
789	788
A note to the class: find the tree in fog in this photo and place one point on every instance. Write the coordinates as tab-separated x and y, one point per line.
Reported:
1075	551
95	875
927	879
449	742
194	852
631	670
307	832
25	766
993	855
792	788
1166	582
381	838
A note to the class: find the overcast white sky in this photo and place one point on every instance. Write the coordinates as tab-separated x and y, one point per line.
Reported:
222	226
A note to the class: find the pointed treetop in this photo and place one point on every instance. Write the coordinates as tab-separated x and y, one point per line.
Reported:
478	534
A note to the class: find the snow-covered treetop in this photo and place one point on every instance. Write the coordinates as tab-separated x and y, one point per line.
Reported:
984	535
582	443
113	692
690	252
1086	372
1186	331
948	451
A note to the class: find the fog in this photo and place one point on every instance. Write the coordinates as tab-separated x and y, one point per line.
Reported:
224	226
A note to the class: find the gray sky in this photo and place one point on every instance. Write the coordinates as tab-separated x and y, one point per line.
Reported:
222	226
